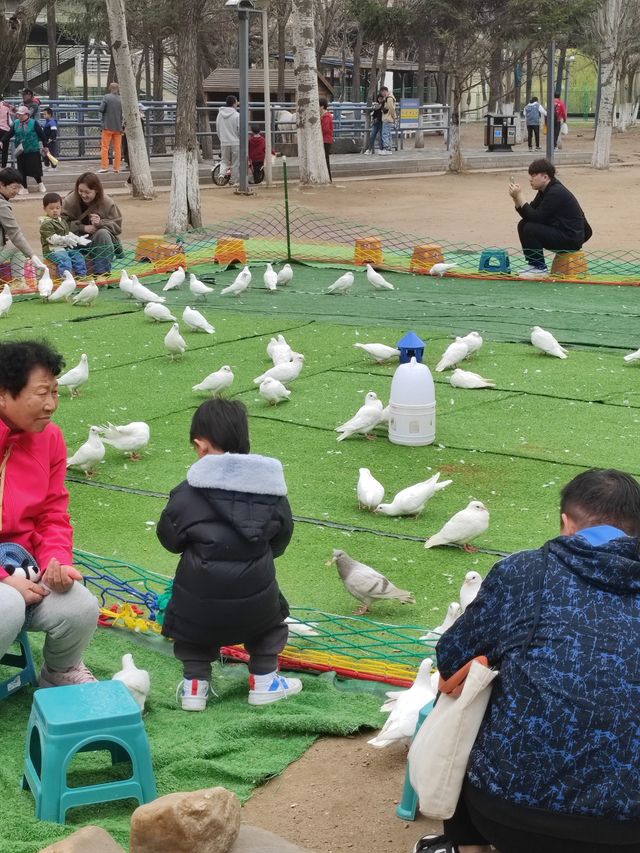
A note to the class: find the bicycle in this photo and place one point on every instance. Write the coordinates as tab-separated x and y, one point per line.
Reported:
218	179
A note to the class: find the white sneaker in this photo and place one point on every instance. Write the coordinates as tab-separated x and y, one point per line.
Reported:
534	273
23	192
380	151
41	188
102	171
193	694
279	688
367	152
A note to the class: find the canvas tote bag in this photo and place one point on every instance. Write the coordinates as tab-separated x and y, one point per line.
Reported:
440	750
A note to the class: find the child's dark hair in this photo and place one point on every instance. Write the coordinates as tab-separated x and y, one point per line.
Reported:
255	128
324	103
224	423
51	198
47	110
19	358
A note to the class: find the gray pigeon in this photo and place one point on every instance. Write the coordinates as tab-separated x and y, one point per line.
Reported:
365	583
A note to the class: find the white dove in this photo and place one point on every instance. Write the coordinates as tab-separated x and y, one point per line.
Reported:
75	377
454	353
196	321
128	439
285	275
270	278
365	583
441	269
239	284
364	420
379	352
88	295
273	391
453	612
158	313
285	372
197	287
278	352
473	341
6	300
405	708
370	491
393	695
142	294
65	288
545	342
126	283
175	279
136	680
45	284
216	382
469	589
343	284
378	281
462	527
174	341
88	454
633	356
301	629
468	379
412	500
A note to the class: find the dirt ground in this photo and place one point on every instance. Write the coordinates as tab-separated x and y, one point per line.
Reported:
342	794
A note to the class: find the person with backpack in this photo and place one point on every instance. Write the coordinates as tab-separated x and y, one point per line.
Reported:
28	135
388	119
376	125
559	116
533	113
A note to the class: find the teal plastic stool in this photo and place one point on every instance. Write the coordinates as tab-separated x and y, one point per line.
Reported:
495	260
408	805
24	663
102	715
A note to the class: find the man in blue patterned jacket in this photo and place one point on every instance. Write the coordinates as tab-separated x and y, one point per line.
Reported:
556	765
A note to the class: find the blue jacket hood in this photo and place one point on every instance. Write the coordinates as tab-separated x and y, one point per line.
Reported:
614	566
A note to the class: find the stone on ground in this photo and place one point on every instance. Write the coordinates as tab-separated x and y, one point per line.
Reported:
89	839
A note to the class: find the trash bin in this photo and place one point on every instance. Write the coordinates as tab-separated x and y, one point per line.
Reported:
500	132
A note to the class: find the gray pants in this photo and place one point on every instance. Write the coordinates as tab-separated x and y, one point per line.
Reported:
9	254
68	619
230	157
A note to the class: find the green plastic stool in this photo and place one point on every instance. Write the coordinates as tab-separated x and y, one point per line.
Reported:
408	805
494	260
84	718
22	661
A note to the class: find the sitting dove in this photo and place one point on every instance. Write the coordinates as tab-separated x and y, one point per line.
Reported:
469	589
545	342
412	500
364	420
6	300
45	284
462	527
633	356
88	454
196	322
142	294
198	288
158	313
65	288
285	275
285	372
342	284
126	283
273	391
174	342
128	439
473	341
301	629
216	382
404	709
454	353
365	584
467	379
379	352
453	612
378	281
88	295
441	269
175	280
279	350
270	278
239	284
75	377
136	680
369	491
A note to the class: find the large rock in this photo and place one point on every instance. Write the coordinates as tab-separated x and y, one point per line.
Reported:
206	821
89	839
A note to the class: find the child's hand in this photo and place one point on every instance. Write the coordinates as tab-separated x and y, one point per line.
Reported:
33	593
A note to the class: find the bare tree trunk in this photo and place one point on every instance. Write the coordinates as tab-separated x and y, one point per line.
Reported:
147	73
158	145
456	160
373	79
311	159
601	156
204	126
355	76
52	41
422	62
14	34
142	182
184	201
496	90
529	72
282	23
85	69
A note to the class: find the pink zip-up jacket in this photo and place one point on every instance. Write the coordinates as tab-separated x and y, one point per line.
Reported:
33	498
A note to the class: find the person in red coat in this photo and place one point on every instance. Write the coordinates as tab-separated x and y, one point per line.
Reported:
257	153
326	123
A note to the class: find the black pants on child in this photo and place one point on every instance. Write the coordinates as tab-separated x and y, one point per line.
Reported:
263	654
327	151
258	171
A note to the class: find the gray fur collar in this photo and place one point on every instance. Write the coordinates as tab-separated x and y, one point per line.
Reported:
238	472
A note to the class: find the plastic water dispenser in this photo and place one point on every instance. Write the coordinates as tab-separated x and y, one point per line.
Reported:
412	405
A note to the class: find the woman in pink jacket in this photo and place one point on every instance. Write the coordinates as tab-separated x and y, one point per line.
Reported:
40	590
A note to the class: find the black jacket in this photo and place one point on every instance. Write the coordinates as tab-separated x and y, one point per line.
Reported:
229	520
559	208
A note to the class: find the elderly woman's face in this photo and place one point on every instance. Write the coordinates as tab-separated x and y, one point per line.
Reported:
85	193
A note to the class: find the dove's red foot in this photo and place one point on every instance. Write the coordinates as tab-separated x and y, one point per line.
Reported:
470	549
369	437
361	610
135	457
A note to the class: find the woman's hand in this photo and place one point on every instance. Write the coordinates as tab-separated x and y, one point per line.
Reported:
60	578
94	219
90	229
33	593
